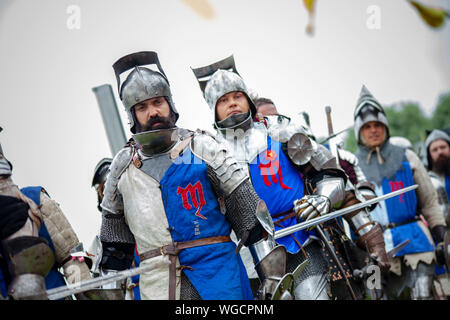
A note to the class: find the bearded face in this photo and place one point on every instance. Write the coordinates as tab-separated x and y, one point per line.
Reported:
440	156
153	114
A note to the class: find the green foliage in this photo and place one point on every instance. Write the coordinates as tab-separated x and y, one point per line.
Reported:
350	142
441	115
407	120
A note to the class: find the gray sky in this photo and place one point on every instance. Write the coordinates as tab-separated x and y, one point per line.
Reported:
53	132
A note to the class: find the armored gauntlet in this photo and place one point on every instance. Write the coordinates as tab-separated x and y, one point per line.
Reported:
369	233
329	193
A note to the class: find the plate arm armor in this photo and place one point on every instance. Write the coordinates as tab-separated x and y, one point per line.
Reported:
117	241
246	212
232	186
325	184
369	234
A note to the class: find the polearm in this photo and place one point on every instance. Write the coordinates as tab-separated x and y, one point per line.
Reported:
334	151
95	283
111	118
332	143
321	233
321	219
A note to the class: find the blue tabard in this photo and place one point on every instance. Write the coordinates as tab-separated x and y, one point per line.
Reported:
193	213
3	289
403	208
447	186
279	188
135	279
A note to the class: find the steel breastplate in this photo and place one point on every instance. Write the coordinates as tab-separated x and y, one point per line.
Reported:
246	145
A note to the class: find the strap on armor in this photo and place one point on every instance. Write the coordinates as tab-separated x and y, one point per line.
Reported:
173	250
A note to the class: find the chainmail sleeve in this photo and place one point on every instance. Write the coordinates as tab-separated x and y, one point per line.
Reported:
115	229
240	207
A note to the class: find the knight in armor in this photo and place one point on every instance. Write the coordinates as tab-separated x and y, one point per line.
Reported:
176	194
437	146
364	229
128	289
410	216
37	240
297	178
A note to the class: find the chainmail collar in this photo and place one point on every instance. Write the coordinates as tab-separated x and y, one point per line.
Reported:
386	162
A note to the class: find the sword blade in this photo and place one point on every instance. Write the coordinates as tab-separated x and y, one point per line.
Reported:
397	248
95	283
334	135
310	223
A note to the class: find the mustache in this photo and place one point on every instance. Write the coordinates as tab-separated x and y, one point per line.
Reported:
165	123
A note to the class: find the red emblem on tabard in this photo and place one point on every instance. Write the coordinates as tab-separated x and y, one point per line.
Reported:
196	195
396	185
272	168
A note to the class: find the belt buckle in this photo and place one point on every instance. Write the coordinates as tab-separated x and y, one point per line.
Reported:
170	249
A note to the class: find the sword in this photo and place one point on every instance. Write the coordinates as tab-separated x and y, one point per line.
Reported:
95	283
315	221
334	135
362	273
397	248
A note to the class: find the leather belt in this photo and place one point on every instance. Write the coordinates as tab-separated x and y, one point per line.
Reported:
393	225
172	250
284	215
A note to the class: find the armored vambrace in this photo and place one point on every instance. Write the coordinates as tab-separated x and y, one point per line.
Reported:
369	233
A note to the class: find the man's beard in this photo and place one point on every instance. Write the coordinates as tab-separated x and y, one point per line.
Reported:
442	165
164	123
